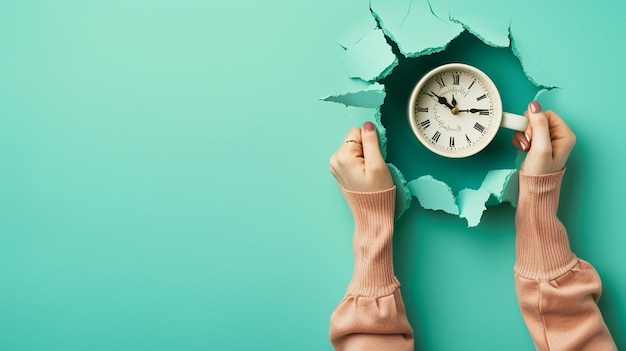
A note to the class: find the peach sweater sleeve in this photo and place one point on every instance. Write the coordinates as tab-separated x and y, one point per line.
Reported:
372	316
557	292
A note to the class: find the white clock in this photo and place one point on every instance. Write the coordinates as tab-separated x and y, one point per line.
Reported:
455	110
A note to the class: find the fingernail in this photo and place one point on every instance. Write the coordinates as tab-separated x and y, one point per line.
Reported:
527	137
523	146
535	107
368	126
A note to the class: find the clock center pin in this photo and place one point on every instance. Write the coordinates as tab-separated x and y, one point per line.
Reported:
455	111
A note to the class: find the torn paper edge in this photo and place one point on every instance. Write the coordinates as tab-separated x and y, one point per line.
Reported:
381	59
499	186
497	43
370	95
433	194
495	189
403	195
421	50
542	88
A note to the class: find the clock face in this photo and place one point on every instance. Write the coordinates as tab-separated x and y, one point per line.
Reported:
455	110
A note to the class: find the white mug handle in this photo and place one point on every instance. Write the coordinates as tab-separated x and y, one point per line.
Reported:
513	121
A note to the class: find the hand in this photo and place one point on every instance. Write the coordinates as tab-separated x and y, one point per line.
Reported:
442	100
548	141
475	110
358	164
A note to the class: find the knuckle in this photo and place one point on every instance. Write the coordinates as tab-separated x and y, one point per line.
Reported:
334	162
572	138
341	160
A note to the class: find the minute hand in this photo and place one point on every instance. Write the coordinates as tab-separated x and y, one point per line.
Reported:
475	110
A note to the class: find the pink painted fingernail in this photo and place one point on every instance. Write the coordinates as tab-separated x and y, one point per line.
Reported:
523	146
527	137
368	126
535	107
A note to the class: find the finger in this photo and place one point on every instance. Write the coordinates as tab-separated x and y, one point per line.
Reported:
541	142
558	127
528	133
353	136
520	142
371	147
349	150
349	154
563	138
352	144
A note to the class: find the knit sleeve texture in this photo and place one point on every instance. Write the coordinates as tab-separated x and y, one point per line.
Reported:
557	291
372	315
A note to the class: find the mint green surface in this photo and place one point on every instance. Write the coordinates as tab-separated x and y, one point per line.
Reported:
164	175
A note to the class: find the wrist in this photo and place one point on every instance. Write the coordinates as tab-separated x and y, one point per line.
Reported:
368	206
540	189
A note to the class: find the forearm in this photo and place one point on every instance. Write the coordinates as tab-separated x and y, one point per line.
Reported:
557	292
562	313
372	315
542	246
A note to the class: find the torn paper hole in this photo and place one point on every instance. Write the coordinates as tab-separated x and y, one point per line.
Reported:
416	29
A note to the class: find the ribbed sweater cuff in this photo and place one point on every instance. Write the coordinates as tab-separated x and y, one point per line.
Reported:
542	245
373	214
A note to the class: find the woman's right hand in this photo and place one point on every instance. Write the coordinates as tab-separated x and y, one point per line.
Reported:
358	164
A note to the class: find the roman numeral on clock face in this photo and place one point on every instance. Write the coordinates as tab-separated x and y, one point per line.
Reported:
435	137
471	85
484	113
481	97
456	78
422	109
440	81
451	141
479	127
425	124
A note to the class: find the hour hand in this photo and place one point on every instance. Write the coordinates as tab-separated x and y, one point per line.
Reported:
442	100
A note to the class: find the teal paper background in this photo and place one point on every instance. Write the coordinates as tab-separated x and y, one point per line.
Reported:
164	177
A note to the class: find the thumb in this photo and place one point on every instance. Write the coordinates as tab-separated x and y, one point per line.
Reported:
371	148
541	143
